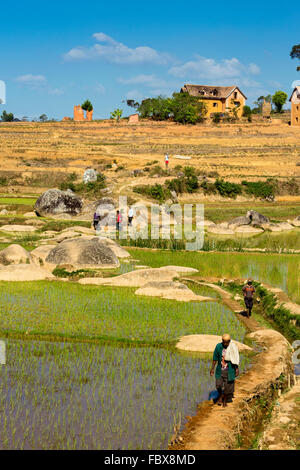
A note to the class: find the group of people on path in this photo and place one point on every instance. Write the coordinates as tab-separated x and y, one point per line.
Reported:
130	216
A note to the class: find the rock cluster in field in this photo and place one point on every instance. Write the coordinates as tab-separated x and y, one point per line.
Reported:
252	223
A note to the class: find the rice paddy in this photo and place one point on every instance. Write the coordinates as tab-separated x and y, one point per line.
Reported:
106	313
84	396
278	270
114	388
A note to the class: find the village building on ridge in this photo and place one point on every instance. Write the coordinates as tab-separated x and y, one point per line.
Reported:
218	99
295	106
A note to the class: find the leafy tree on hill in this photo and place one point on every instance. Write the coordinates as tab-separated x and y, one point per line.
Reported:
87	106
279	99
116	114
295	53
181	107
7	117
132	104
43	118
187	109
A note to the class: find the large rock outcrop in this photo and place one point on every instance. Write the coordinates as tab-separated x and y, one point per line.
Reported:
238	222
256	218
56	202
83	252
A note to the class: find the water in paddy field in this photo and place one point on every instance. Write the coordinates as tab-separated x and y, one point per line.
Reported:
84	396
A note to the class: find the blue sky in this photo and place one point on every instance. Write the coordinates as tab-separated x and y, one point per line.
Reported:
57	54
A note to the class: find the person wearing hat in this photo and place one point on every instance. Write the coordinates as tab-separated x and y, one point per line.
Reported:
248	291
226	356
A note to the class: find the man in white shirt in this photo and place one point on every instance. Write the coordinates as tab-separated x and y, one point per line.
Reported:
130	216
166	160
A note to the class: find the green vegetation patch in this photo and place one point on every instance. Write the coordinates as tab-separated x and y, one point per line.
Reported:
107	313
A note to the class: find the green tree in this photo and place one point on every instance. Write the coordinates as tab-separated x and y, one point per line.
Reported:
7	117
279	99
116	114
247	112
187	109
295	53
158	108
43	118
87	106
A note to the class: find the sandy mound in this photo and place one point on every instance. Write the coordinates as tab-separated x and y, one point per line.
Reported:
205	343
248	229
294	222
135	278
30	214
280	227
24	272
18	228
170	290
292	307
180	269
14	254
80	229
218	230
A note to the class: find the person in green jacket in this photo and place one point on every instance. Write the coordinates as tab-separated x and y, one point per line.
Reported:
226	371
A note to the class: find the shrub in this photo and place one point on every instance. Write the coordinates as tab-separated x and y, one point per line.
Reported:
260	189
227	189
158	170
156	191
216	117
91	187
208	188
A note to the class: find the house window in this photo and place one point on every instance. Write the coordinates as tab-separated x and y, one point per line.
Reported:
235	95
215	105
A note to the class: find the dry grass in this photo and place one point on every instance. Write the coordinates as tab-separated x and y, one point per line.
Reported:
234	151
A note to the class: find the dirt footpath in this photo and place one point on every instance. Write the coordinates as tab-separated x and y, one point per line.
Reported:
218	428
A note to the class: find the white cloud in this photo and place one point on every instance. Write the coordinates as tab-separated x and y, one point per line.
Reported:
102	37
115	52
146	80
206	68
56	91
100	89
31	80
135	95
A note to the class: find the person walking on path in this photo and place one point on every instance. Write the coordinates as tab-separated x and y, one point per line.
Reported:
118	221
96	220
130	216
167	161
226	355
248	291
